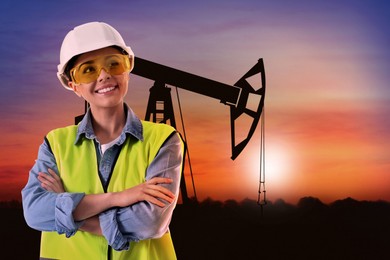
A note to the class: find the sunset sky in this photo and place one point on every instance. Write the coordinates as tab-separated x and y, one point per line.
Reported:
327	64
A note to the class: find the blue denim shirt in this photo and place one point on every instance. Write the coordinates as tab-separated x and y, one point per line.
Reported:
49	211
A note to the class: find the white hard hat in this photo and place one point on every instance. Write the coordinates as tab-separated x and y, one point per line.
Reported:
89	37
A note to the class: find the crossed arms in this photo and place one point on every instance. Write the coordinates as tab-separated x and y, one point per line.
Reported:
138	213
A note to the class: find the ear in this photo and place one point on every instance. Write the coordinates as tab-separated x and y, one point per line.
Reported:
75	88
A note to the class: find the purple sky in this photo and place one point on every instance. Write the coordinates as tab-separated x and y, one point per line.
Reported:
323	59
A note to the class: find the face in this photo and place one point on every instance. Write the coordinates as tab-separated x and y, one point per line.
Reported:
107	91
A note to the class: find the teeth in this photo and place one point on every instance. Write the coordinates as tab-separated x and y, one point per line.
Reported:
104	90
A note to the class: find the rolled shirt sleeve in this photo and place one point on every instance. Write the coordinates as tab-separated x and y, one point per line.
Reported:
44	210
64	206
145	220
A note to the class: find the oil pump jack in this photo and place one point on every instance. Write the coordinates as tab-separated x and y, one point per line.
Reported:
160	107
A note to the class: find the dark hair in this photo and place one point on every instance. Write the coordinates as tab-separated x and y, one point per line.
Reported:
70	66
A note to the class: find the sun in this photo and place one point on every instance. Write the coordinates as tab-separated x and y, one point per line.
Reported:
278	164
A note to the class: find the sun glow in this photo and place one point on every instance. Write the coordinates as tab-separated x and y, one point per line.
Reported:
278	166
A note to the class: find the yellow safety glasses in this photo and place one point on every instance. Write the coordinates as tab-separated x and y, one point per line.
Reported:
89	71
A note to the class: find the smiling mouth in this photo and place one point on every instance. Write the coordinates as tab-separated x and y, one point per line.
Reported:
105	90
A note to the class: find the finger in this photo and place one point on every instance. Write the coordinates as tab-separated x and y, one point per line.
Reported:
56	183
53	174
46	186
48	182
45	177
155	201
160	195
161	189
159	180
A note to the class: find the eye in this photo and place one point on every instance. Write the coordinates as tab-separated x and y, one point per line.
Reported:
113	64
86	69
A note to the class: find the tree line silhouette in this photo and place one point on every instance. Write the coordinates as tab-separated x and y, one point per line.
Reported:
344	229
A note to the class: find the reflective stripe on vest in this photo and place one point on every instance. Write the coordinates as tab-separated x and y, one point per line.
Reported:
78	168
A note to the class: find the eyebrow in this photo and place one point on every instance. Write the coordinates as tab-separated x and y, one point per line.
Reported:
85	63
93	60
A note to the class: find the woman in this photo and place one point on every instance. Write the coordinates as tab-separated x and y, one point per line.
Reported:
112	181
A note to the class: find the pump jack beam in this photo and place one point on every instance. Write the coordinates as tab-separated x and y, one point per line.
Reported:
234	96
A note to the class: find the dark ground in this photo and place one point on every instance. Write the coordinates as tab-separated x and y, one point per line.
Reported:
345	229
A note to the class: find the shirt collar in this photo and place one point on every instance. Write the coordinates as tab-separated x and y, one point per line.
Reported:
133	126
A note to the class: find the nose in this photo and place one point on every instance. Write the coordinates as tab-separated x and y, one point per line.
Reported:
103	75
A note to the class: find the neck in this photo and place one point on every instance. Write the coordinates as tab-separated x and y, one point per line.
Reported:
108	123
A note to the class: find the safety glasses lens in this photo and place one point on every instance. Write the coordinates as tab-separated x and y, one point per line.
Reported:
89	71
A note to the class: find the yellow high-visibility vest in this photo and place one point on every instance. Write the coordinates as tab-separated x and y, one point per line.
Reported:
78	168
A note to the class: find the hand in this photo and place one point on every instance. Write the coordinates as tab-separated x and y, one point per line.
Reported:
148	191
51	182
